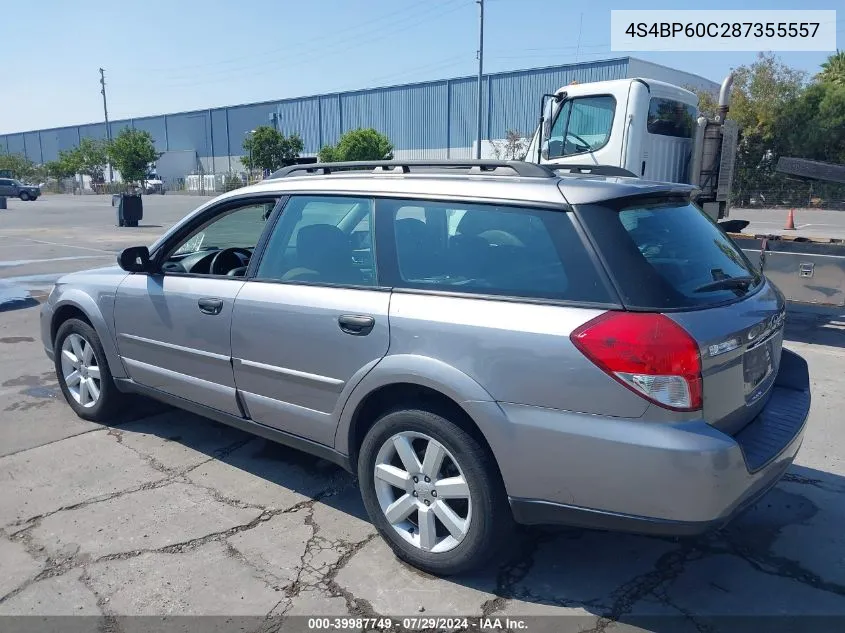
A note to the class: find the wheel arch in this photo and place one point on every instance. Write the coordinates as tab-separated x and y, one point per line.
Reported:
76	304
409	380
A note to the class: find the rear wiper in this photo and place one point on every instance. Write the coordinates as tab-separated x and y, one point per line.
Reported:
727	283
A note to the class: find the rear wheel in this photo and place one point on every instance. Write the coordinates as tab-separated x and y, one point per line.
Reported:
83	372
24	196
432	491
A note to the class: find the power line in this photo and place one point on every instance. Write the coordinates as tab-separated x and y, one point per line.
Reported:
281	58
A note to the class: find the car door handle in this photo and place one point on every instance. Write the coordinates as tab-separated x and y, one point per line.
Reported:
356	325
210	305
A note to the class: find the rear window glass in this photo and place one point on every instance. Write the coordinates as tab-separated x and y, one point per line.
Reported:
491	250
670	255
668	117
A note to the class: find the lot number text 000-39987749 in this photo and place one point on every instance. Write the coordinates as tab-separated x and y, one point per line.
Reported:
704	30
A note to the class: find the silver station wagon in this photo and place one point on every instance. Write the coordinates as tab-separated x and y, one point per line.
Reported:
481	342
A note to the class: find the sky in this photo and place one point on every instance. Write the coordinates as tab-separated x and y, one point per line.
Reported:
169	56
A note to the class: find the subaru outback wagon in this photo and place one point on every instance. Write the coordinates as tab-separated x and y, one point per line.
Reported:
482	343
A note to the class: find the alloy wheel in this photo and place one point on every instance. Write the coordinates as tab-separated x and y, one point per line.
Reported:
422	492
80	371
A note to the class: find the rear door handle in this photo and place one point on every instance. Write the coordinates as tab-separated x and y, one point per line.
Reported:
356	324
210	305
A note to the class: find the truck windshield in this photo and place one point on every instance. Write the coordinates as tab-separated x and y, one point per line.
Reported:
582	125
669	255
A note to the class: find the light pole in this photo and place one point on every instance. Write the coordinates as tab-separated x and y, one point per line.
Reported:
249	169
480	73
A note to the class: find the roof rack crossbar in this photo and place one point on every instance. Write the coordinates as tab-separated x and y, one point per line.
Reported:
519	168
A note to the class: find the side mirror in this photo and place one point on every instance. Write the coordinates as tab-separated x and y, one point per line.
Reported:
135	259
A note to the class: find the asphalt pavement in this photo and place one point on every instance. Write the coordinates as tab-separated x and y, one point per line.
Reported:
163	513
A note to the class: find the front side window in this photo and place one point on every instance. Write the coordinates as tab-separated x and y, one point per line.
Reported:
582	125
223	245
322	239
668	117
491	249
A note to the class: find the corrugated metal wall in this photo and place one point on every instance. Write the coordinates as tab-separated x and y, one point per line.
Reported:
434	119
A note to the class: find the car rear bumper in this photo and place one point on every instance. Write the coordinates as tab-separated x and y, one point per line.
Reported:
648	477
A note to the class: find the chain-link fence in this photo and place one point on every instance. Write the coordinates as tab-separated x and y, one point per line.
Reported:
792	194
203	184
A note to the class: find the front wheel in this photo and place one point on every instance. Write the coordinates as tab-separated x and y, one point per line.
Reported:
432	491
24	196
83	372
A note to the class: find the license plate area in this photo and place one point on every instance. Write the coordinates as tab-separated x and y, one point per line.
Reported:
758	363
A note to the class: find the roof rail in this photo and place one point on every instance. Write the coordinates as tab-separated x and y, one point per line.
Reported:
596	170
497	167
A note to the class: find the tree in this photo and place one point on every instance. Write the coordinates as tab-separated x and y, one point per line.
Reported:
360	144
761	93
708	102
65	166
513	147
90	158
833	70
20	166
267	148
131	152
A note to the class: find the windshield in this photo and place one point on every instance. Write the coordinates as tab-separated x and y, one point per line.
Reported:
670	255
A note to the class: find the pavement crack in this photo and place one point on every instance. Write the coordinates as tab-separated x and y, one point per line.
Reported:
666	569
794	478
29	523
32	448
773	565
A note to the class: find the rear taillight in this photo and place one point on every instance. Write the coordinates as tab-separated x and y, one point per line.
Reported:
648	353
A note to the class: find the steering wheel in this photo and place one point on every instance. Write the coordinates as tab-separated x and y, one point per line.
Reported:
583	143
226	259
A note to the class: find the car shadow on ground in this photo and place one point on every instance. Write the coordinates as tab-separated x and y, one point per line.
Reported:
820	328
784	556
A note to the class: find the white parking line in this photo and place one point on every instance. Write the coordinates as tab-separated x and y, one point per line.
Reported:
84	248
24	262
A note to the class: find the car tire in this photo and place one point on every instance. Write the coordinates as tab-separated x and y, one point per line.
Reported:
98	404
482	519
24	196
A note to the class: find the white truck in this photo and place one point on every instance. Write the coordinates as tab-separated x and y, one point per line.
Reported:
653	130
649	128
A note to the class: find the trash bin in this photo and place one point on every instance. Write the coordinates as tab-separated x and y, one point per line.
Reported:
3	202
130	210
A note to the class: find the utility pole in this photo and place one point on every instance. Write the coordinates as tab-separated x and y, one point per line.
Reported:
480	72
106	113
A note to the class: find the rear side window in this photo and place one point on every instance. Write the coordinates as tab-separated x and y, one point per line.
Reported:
488	249
669	255
668	117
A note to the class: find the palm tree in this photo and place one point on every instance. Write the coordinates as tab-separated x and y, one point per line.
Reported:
833	70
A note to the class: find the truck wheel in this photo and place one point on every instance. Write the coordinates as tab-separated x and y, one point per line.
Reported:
24	196
433	492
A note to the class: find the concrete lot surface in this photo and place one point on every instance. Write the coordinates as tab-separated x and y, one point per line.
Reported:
161	512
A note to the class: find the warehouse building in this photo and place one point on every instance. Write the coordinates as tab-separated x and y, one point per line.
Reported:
432	119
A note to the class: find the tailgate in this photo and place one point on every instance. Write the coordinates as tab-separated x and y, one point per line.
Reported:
740	347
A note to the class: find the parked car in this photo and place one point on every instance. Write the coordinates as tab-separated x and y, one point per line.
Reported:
481	342
13	188
152	184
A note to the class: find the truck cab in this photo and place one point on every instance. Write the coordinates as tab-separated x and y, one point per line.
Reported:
650	128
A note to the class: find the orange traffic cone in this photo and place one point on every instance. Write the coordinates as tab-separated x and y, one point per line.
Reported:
790	221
